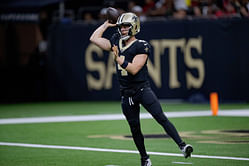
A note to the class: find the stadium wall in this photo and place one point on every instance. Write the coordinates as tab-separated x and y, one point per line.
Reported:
191	59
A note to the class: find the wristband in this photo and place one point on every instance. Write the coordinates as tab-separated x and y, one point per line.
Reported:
124	65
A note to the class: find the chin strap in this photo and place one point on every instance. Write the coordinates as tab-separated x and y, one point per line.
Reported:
125	37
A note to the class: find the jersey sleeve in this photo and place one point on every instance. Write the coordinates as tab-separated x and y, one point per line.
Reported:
114	39
143	47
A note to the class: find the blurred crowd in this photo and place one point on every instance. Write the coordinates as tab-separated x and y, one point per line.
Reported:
177	9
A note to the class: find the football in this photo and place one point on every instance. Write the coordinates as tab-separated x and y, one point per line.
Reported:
112	15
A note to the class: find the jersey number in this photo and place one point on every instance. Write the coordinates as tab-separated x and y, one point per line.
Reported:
123	71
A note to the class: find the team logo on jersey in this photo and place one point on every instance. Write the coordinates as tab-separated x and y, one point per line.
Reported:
146	49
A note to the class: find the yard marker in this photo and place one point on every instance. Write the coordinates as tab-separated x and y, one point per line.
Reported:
116	151
84	118
214	103
182	163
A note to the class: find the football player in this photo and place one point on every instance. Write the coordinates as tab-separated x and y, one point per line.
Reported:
131	55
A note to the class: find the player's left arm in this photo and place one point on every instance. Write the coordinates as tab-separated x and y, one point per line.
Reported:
137	63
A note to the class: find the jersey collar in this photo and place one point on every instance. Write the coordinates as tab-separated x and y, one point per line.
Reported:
123	48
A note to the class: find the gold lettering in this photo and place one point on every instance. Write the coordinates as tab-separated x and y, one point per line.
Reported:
94	83
173	72
194	82
123	71
105	73
155	70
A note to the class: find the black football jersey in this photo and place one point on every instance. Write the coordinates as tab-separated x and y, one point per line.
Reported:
127	80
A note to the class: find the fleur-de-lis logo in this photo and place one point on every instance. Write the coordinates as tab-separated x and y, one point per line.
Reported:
146	49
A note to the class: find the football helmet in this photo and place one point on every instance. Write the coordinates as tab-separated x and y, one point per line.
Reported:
128	19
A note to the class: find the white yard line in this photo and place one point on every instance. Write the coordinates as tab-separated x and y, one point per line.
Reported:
242	113
115	151
182	163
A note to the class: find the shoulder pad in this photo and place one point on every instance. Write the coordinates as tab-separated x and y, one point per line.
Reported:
143	47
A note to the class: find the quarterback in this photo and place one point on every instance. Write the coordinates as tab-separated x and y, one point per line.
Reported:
130	56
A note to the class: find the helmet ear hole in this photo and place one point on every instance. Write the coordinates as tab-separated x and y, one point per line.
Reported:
130	32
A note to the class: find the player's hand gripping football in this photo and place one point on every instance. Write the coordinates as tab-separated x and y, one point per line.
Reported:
107	24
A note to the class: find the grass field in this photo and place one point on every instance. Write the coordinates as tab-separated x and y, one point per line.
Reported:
210	136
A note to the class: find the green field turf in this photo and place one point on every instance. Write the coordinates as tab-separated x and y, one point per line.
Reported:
208	135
